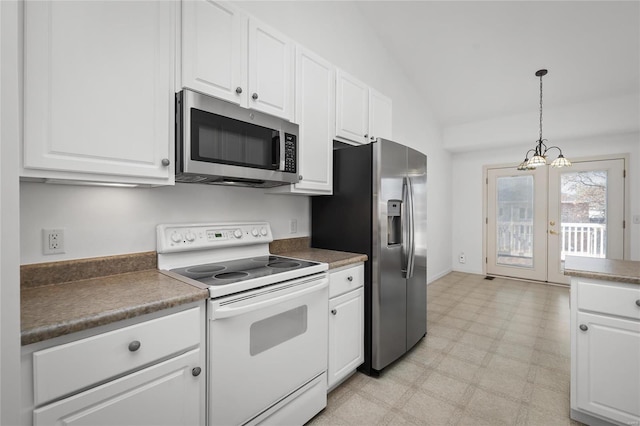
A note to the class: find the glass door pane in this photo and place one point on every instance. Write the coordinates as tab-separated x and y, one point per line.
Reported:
516	217
514	230
586	213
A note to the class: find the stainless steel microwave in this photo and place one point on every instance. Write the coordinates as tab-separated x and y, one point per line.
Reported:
218	142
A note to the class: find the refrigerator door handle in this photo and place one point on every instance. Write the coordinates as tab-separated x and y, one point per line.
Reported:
405	228
412	230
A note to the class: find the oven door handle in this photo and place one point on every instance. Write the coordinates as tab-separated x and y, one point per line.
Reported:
231	311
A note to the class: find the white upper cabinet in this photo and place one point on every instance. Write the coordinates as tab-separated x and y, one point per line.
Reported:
231	56
352	108
315	113
98	91
362	114
380	114
214	50
271	79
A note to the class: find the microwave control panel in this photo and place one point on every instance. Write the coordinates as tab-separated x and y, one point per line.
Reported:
290	153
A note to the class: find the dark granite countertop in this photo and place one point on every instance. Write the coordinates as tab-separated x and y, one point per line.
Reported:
626	271
299	248
49	310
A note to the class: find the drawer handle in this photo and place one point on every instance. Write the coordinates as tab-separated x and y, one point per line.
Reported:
638	302
349	278
583	327
254	96
334	311
238	90
134	346
196	371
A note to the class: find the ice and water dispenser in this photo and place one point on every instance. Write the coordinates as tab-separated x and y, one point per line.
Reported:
394	223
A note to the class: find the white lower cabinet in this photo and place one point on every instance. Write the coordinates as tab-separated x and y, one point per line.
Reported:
346	323
144	371
605	351
164	394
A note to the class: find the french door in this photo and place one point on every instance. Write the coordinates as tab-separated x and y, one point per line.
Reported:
537	217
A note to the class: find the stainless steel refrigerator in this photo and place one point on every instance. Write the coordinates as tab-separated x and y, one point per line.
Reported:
378	207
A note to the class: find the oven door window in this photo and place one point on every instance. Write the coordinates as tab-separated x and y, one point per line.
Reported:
218	139
270	332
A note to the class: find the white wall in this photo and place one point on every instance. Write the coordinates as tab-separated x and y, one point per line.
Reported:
106	221
9	214
467	177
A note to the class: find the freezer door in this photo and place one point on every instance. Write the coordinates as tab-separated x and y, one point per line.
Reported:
417	282
389	332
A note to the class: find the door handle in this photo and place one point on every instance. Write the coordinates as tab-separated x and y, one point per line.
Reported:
552	232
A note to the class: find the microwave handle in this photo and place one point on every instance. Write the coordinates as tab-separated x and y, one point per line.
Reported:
277	150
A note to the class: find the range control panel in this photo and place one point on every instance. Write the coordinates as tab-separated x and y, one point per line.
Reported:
171	238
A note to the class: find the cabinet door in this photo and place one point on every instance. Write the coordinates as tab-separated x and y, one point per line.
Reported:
352	108
98	91
315	113
165	394
271	59
608	367
346	335
380	114
214	49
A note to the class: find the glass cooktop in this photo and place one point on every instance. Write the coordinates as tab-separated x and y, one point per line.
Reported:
232	271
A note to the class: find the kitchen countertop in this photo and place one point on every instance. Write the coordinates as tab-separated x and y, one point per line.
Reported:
56	309
626	271
300	248
59	298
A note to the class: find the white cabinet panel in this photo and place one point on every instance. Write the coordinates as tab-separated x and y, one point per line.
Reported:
232	56
346	323
380	115
352	108
98	89
608	367
346	335
362	113
214	49
164	394
315	114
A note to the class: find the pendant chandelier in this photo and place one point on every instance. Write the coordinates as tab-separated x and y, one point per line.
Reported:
539	157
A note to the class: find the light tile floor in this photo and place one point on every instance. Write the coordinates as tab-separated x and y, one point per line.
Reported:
496	353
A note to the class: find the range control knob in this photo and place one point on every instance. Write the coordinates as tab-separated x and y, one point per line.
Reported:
176	237
254	232
191	237
263	231
237	233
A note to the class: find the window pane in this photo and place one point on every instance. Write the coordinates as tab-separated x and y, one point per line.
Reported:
515	221
584	214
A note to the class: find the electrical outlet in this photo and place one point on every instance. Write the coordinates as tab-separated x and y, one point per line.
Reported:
293	226
53	241
462	258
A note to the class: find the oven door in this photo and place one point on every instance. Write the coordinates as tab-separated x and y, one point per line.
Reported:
263	345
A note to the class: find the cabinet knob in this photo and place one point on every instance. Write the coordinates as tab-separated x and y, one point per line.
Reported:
334	312
196	371
165	162
366	135
238	90
583	327
638	302
254	96
299	177
372	138
349	278
134	346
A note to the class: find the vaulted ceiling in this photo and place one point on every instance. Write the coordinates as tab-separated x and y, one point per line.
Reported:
476	60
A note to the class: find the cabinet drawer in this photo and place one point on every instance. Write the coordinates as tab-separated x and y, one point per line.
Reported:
608	298
65	369
344	280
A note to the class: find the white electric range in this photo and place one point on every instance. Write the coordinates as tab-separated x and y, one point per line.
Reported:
267	321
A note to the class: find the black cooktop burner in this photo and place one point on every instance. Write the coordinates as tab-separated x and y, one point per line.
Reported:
231	271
